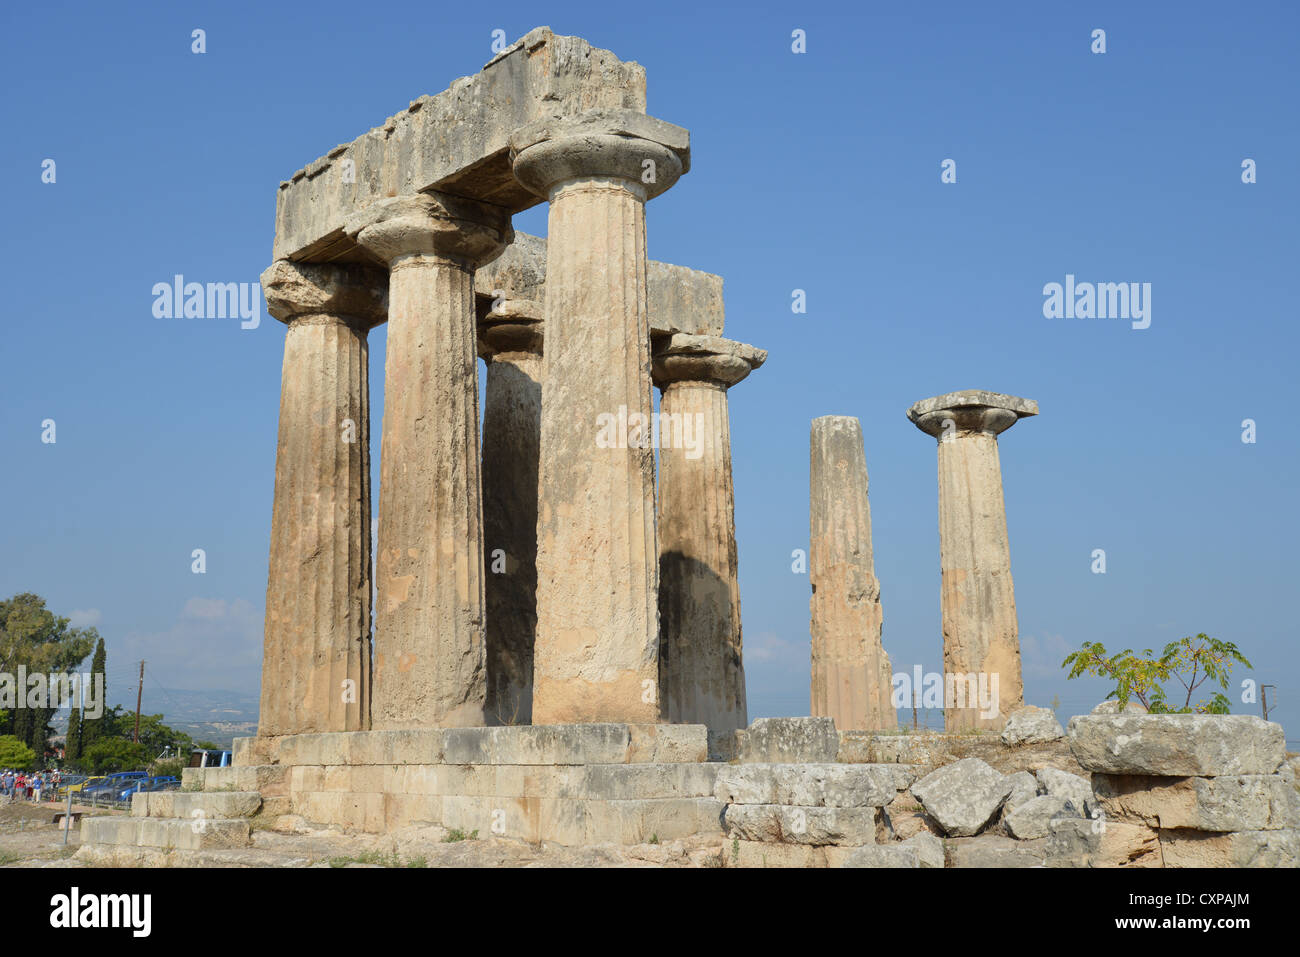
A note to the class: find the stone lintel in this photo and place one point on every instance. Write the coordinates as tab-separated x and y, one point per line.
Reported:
456	142
678	299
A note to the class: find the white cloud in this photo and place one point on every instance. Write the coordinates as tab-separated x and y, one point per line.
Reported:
85	618
214	644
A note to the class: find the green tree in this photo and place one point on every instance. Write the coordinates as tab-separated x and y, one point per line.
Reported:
35	638
1189	661
14	754
115	754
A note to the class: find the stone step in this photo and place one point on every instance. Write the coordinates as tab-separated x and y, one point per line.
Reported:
557	820
165	833
192	805
596	781
270	780
560	744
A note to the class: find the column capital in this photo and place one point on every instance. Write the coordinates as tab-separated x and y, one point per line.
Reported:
514	326
432	224
970	411
682	357
605	143
346	290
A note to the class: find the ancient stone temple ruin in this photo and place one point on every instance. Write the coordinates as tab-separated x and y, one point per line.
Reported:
557	644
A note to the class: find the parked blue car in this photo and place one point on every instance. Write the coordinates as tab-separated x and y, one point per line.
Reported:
112	785
145	785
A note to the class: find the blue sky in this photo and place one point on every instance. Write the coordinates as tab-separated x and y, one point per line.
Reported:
817	171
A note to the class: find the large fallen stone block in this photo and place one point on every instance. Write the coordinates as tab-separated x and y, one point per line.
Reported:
1033	819
1244	802
1075	842
1024	788
1030	725
791	741
814	785
929	849
1189	848
786	824
1177	745
963	796
1069	786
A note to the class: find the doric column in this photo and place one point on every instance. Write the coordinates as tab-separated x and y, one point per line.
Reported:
851	680
981	642
510	341
701	668
316	658
429	646
595	656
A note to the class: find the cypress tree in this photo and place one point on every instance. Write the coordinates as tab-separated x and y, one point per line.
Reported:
91	727
72	741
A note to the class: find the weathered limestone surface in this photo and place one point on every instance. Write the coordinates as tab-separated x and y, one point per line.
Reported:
596	648
980	633
316	655
510	341
1190	848
964	796
430	653
1076	842
793	824
884	855
1030	725
456	142
1063	784
850	670
1032	819
1241	802
1024	788
790	740
814	785
701	667
678	299
1177	745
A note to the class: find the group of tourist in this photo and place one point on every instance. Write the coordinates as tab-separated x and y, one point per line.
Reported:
21	786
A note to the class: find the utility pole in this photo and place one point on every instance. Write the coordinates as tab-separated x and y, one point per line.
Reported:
138	695
1263	699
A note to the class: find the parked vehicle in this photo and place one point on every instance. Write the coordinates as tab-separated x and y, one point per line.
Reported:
85	782
145	785
111	786
210	758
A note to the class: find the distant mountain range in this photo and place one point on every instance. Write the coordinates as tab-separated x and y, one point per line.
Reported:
216	716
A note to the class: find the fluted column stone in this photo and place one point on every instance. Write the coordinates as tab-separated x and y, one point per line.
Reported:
980	633
510	342
595	655
429	619
701	663
316	656
851	675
